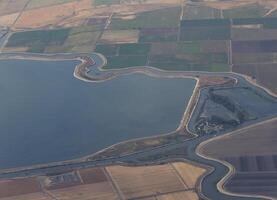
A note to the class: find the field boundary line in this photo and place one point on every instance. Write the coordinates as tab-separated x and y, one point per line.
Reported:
114	185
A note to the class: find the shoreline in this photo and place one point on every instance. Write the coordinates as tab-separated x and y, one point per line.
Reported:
82	72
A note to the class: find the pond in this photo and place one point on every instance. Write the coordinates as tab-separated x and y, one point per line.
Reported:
47	115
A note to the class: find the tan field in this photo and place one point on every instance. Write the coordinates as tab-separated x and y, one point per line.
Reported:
15	49
171	181
120	36
143	181
8	20
96	191
32	196
189	173
52	15
189	195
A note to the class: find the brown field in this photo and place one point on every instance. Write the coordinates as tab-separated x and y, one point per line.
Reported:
253	153
263	74
260	140
18	187
119	36
163	48
31	196
189	173
262	183
179	196
171	181
143	181
93	175
96	191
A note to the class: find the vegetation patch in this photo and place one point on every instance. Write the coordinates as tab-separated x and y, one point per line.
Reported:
125	61
36	41
248	11
200	12
41	3
165	18
208	29
158	34
134	49
106	2
107	49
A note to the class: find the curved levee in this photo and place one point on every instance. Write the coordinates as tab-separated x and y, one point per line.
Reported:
91	70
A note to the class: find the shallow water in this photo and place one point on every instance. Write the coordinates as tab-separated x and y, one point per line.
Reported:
48	115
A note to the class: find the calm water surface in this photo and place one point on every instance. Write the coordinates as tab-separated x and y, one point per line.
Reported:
48	115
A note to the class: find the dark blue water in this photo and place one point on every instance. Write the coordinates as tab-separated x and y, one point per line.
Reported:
48	115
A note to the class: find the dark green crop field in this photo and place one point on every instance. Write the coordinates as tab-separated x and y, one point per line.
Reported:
38	40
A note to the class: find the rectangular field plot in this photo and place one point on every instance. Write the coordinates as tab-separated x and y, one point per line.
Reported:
253	163
119	36
200	12
36	41
17	187
93	175
179	196
209	29
254	34
158	34
147	180
248	11
263	183
189	173
96	191
126	61
166	18
254	46
267	23
31	196
254	58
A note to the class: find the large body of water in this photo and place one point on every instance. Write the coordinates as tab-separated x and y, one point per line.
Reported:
48	115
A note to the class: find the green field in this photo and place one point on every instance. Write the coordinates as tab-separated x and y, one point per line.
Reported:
125	61
200	12
134	49
249	11
77	39
41	3
37	41
168	17
107	49
106	2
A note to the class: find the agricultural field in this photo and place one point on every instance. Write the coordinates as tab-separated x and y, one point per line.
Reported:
256	165
193	12
263	74
254	10
76	39
205	29
166	18
10	6
119	36
41	3
163	182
